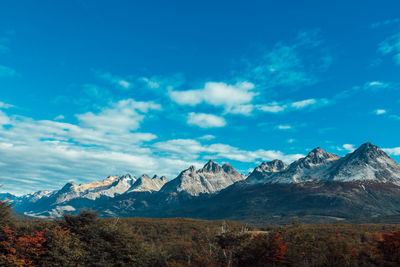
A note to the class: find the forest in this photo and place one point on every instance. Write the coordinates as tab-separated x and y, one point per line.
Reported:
87	240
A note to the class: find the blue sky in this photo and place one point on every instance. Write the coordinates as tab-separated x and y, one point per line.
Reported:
96	88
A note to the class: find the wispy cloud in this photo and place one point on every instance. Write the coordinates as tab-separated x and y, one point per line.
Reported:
205	120
5	105
380	111
287	106
273	107
59	117
207	137
55	152
3	45
193	149
385	23
392	151
114	79
284	127
374	86
7	71
124	115
102	143
290	65
391	47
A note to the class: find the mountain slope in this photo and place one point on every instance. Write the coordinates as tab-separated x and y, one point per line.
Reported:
145	183
318	187
210	179
367	163
267	169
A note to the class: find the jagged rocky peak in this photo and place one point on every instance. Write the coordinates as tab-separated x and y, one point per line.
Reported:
228	168
162	178
211	166
264	171
191	169
144	176
146	184
210	179
127	177
369	151
272	166
367	163
315	158
319	155
68	187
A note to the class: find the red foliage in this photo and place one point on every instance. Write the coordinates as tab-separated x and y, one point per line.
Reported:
22	250
389	247
280	248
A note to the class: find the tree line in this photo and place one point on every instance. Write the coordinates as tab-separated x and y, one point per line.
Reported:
87	240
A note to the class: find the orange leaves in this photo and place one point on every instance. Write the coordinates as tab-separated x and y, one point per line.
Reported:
22	250
279	248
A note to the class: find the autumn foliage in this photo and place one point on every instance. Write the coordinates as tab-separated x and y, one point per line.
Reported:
21	249
86	240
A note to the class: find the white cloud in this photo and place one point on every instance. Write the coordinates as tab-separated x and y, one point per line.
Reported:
276	107
349	147
50	153
380	111
7	71
59	117
304	103
392	151
230	97
122	116
374	86
125	84
272	107
207	137
5	105
114	79
193	149
205	120
150	83
4	119
284	127
242	109
189	97
391	46
46	154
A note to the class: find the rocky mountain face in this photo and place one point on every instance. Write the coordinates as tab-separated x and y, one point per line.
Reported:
319	186
210	179
263	172
367	163
146	184
307	169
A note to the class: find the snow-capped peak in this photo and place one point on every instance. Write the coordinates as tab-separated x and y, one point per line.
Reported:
211	166
318	156
211	178
367	163
146	184
262	172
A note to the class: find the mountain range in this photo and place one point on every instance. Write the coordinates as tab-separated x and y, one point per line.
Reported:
320	187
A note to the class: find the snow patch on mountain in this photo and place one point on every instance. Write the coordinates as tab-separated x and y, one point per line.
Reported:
367	163
146	184
210	179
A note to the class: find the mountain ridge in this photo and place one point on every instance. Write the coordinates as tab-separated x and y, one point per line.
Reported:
366	169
